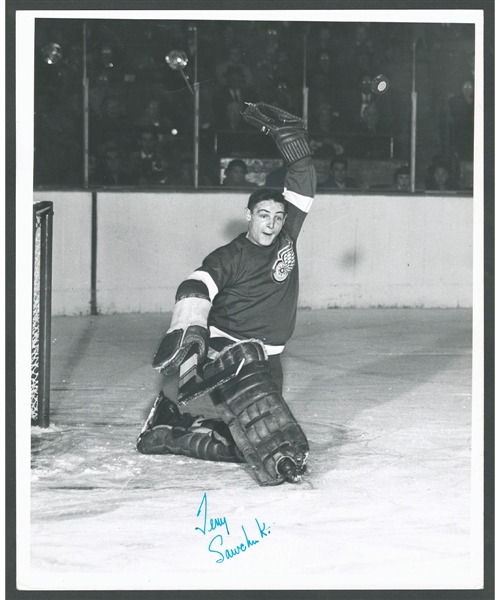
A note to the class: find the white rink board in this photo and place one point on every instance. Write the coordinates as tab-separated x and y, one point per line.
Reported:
71	251
354	251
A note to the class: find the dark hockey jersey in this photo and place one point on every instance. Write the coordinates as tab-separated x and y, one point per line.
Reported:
254	289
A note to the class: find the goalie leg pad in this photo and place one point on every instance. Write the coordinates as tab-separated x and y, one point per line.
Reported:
258	417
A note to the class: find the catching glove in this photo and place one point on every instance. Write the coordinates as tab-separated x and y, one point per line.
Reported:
288	131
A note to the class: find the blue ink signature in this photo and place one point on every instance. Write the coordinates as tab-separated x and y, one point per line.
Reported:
226	553
214	523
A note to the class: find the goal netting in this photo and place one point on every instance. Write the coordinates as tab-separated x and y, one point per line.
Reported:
41	313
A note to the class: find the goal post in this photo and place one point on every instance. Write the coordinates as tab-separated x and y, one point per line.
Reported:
41	313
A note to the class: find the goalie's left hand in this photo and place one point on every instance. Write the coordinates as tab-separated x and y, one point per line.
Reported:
288	131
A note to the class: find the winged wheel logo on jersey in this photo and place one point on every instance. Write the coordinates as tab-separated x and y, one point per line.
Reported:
284	263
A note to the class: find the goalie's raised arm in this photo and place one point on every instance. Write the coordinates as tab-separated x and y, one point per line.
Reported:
290	135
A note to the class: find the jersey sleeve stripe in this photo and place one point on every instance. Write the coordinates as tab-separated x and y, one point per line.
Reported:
303	203
213	290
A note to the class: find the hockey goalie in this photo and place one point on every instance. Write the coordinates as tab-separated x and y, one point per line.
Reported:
232	318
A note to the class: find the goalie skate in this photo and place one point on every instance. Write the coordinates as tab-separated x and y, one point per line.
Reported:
167	431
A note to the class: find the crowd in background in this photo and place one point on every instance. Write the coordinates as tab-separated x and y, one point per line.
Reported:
141	111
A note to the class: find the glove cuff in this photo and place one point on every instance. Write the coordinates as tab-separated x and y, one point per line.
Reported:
294	149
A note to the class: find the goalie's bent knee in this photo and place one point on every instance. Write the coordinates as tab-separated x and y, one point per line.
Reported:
259	419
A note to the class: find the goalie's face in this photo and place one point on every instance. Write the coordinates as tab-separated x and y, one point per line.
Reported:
265	222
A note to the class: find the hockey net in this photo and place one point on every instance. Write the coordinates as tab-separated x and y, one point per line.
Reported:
41	313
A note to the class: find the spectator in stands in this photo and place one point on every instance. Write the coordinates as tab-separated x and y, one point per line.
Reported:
182	172
325	119
230	35
356	102
111	169
58	141
265	70
361	109
235	175
234	92
325	146
100	88
153	117
283	96
323	69
235	60
286	70
234	118
143	65
363	48
113	124
147	145
148	165
274	62
323	126
320	41
324	87
462	125
113	112
325	38
401	179
370	121
337	177
71	74
358	56
439	177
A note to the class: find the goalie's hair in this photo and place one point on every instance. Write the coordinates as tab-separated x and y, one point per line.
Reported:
266	194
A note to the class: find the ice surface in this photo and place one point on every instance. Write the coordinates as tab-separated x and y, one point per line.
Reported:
384	396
